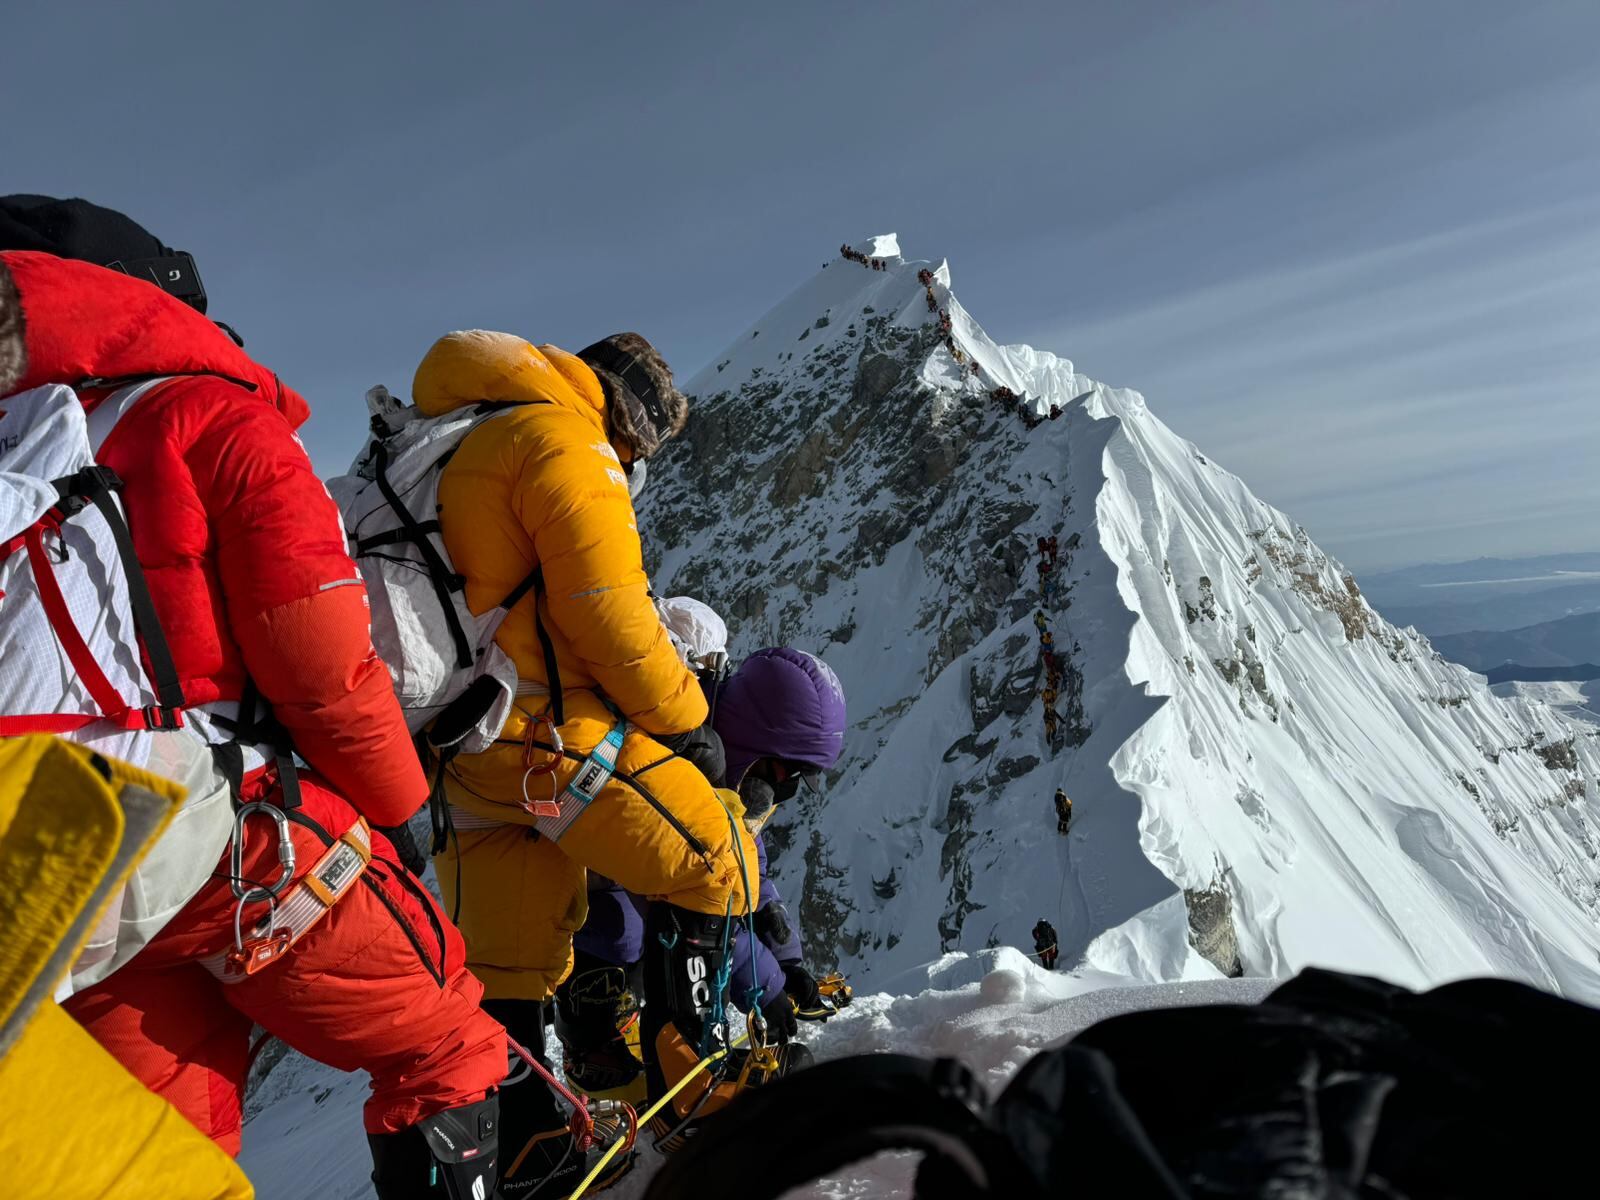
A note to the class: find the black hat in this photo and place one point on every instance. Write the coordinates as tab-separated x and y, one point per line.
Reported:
87	232
644	405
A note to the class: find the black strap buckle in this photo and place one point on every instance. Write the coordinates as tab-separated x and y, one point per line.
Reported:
159	716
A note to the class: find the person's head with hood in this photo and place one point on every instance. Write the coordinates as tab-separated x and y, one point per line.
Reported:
644	408
781	717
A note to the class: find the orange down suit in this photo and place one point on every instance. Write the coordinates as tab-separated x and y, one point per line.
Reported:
540	485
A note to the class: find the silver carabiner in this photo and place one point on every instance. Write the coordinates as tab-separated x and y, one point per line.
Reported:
541	808
247	894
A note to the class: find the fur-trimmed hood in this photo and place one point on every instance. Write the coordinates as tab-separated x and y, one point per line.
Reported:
63	321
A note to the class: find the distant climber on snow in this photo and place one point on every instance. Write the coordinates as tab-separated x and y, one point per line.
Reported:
1044	944
1063	811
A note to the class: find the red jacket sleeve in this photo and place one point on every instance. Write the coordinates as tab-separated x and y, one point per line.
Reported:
298	610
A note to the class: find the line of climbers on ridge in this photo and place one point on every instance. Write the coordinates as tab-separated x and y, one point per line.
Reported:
1000	393
946	325
855	256
1023	407
592	771
1048	583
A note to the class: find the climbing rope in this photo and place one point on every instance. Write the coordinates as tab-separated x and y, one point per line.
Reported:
646	1116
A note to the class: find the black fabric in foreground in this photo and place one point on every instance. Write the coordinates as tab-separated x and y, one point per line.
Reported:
1334	1086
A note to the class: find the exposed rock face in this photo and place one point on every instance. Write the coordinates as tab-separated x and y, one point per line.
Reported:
1211	930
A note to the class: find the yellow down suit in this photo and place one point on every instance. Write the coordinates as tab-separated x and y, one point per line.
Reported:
540	485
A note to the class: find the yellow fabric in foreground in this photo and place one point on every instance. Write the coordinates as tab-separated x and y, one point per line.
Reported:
76	1124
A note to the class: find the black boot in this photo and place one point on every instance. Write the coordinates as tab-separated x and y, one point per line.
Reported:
448	1156
540	1158
683	957
597	1020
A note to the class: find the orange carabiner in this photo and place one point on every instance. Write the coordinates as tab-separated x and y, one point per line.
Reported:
531	769
555	749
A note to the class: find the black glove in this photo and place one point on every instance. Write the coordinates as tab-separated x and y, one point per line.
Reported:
801	987
405	846
780	1016
703	748
771	924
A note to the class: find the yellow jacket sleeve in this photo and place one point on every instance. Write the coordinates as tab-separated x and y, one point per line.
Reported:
576	507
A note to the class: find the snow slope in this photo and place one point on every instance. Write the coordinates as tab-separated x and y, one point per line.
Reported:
1262	766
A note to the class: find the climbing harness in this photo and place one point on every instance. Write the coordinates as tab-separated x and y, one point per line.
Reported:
593	773
293	914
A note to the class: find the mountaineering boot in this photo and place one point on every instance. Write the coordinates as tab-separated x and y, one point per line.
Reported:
597	1020
683	963
448	1156
540	1159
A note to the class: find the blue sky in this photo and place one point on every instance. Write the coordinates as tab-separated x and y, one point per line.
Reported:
1348	248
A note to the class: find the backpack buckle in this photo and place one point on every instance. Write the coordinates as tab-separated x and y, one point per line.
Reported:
160	717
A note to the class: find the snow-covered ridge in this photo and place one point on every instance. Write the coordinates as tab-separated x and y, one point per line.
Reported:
1262	767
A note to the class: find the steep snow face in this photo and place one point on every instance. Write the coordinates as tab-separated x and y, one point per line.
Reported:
1265	773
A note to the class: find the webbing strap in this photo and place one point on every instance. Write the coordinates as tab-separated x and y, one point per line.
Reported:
275	934
593	774
111	705
444	580
96	484
552	670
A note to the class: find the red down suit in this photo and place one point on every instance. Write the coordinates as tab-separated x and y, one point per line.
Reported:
245	557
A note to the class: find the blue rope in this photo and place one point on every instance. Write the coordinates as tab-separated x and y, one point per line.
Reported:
719	1012
756	990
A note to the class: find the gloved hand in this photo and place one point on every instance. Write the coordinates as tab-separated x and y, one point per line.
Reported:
703	748
801	987
771	924
780	1016
405	846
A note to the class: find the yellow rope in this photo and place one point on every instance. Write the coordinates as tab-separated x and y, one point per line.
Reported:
645	1116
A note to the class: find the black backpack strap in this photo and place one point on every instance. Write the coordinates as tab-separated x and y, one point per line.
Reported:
552	670
445	581
841	1112
97	485
264	729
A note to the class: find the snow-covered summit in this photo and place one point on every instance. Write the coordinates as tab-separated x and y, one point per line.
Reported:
1265	772
882	245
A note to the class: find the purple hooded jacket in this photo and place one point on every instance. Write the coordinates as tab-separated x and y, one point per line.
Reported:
780	703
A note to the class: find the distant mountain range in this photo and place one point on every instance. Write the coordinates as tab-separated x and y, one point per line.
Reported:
1547	644
1487	593
1581	673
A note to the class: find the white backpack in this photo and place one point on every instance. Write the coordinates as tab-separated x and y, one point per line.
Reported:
74	600
74	610
440	655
